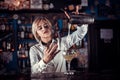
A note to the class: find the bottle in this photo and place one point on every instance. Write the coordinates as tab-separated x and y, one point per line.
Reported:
3	27
22	32
8	45
4	45
26	49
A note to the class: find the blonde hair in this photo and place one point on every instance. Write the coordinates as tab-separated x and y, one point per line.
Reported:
36	24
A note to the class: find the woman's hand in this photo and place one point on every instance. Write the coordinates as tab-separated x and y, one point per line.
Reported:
50	52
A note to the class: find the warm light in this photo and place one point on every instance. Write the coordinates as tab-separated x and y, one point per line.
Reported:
12	49
16	2
20	46
23	56
1	50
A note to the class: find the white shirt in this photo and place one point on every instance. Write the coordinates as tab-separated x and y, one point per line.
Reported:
58	64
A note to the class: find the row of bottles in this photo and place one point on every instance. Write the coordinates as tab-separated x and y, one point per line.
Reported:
6	33
6	28
22	51
42	4
23	56
24	32
24	65
7	45
25	40
7	41
5	24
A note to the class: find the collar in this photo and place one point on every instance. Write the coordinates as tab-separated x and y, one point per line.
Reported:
45	44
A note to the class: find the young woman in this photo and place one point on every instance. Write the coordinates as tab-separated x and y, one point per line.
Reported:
46	56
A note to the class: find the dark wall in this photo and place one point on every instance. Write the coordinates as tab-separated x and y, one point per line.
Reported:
104	54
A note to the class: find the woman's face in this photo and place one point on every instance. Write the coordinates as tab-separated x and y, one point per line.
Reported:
44	30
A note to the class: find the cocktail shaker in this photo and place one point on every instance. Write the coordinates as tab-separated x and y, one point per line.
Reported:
81	19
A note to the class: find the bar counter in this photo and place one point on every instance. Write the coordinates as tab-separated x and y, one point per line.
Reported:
62	76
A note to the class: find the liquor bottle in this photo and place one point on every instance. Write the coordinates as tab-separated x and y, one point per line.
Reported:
8	45
3	28
22	34
26	49
7	29
4	45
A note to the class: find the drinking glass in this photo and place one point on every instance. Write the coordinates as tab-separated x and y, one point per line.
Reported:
69	55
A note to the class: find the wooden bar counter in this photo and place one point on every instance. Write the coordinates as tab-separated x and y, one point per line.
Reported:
62	76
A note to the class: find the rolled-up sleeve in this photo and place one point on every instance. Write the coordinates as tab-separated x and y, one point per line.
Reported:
37	64
82	31
76	36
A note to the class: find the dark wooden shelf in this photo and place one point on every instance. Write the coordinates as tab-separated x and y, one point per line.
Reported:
31	11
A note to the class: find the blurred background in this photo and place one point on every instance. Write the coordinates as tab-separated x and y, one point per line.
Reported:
99	51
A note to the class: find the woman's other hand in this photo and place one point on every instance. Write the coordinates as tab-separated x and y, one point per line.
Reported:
50	52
